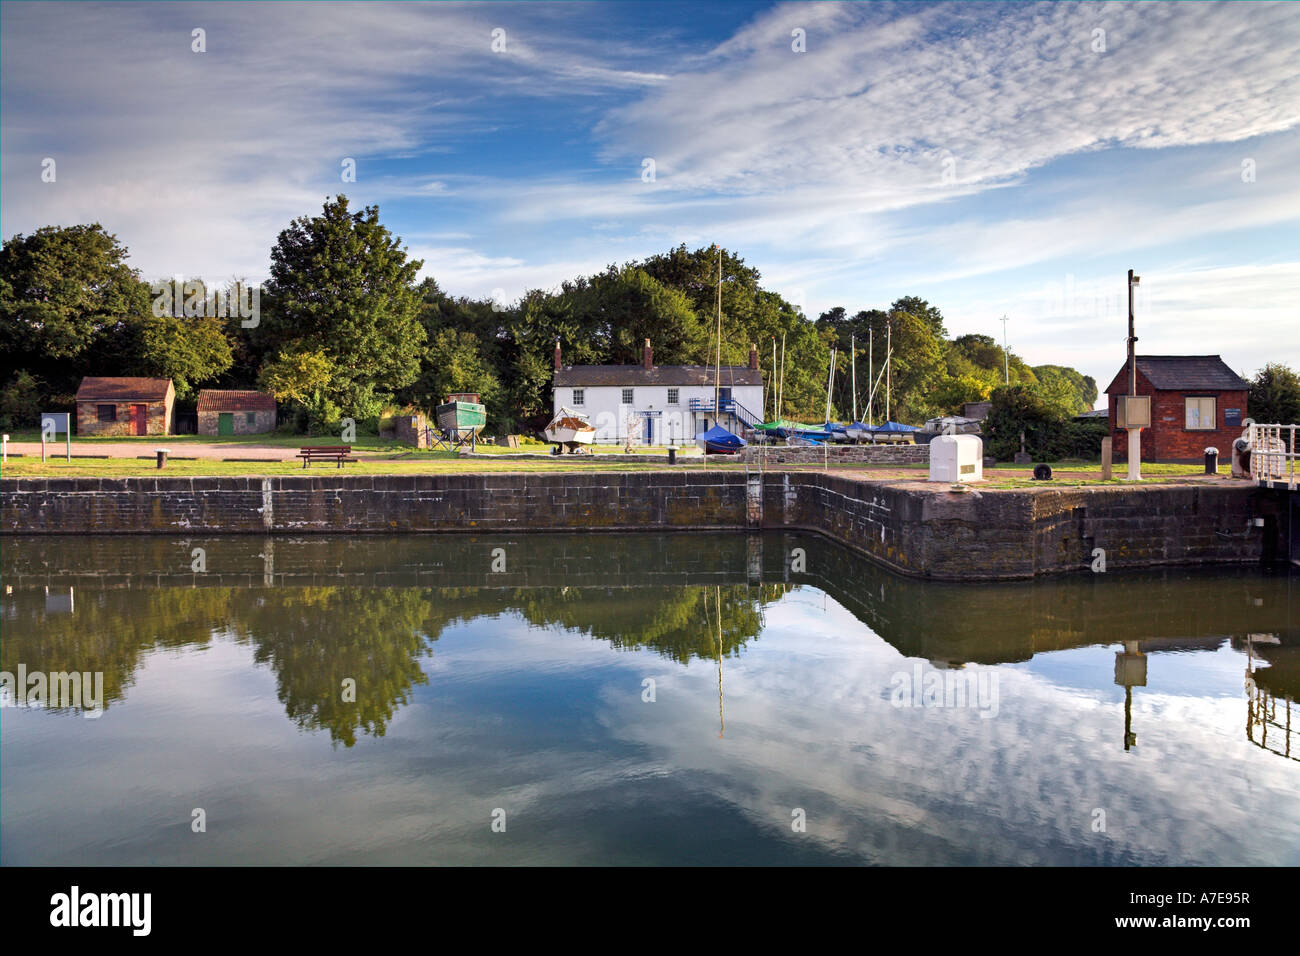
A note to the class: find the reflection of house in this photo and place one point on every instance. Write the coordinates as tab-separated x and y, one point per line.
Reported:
659	404
125	406
227	412
1196	402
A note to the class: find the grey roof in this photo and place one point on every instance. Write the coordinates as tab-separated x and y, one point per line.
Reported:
628	376
1176	373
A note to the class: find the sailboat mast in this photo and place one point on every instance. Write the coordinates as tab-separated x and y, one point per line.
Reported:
871	371
853	351
889	352
780	394
830	380
717	376
772	381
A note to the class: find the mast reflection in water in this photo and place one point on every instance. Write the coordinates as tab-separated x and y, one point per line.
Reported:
375	700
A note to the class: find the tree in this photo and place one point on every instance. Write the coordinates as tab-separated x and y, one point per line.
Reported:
454	363
302	375
189	351
1274	396
64	293
1075	392
341	281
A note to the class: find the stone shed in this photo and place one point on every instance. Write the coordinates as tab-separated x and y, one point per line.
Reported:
234	412
125	406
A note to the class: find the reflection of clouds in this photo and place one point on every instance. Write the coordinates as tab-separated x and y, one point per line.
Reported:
923	785
549	724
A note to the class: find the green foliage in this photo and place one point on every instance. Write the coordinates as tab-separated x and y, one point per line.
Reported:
1274	396
301	376
1066	388
454	363
341	281
20	403
65	293
189	351
1050	434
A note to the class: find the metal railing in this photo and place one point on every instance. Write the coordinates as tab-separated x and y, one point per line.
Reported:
1273	454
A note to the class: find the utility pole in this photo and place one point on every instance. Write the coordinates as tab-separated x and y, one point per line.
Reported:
1006	356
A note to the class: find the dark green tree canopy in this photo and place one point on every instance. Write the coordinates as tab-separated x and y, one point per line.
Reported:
340	280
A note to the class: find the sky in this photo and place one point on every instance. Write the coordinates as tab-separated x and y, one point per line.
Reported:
1002	159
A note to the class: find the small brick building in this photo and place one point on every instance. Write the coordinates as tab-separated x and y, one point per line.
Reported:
231	412
125	406
1197	401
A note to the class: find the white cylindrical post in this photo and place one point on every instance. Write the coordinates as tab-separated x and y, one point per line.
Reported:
4	449
1135	454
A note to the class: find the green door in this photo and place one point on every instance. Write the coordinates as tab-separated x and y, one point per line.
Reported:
225	423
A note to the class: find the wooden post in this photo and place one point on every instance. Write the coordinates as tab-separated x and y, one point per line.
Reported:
1106	458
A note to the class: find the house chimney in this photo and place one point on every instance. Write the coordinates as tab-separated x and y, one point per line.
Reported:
753	356
557	354
647	356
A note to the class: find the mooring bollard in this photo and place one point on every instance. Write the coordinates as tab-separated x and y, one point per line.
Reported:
672	456
162	456
1211	460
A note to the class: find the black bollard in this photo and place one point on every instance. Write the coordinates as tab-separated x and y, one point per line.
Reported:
672	456
1211	460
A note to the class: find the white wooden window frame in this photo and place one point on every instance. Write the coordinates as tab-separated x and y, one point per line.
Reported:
1195	416
579	397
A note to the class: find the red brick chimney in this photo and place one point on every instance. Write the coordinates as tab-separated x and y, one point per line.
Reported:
557	354
647	356
753	356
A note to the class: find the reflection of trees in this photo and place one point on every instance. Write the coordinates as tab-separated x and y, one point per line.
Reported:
109	631
315	638
677	622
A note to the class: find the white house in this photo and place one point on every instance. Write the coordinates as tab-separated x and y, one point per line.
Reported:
659	404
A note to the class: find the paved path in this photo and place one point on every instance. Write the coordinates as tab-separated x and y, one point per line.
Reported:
133	449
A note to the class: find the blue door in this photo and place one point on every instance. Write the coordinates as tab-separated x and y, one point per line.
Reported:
649	430
724	400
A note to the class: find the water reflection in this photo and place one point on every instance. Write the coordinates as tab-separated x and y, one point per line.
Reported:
427	680
102	604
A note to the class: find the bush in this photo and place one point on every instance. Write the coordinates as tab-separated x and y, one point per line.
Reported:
20	403
1049	434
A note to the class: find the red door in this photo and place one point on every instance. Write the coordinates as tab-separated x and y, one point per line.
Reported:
140	419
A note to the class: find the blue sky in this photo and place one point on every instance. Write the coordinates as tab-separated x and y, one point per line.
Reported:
1001	158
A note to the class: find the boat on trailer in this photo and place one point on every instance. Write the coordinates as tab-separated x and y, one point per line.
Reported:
570	431
718	441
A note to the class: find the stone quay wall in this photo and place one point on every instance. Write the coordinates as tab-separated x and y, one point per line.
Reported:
917	530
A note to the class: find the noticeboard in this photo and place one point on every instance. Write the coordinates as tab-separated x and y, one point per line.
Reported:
1232	417
1134	411
54	423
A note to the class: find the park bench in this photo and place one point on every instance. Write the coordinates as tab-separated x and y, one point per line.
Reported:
335	453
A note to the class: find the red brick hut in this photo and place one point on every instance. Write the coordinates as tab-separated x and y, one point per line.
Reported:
232	412
125	406
1196	402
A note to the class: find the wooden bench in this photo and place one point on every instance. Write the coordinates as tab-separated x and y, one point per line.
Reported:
335	453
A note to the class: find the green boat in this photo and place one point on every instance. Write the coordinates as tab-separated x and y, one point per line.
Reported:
461	417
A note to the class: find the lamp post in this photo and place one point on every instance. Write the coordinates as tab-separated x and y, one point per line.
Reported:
1134	431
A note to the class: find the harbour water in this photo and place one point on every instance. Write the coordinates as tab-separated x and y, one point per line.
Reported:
635	699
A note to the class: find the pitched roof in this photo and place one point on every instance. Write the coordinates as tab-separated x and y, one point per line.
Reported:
95	389
233	400
627	376
1178	373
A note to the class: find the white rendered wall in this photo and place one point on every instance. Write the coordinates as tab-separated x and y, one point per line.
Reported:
604	409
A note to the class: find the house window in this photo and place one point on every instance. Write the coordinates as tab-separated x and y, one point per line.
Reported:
673	396
579	396
106	413
1201	414
250	419
627	396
